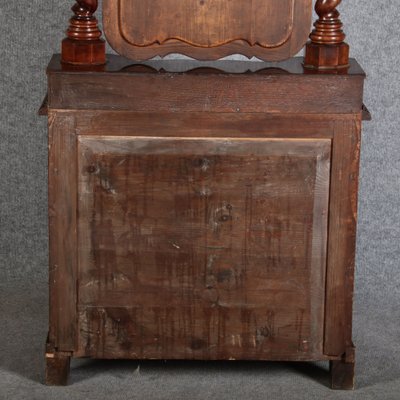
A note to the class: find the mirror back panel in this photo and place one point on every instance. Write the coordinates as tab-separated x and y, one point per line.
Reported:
207	29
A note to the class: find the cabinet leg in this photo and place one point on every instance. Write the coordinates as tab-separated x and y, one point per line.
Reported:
342	374
57	369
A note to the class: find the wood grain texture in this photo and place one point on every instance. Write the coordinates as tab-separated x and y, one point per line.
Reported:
207	29
207	93
238	125
202	248
210	23
62	231
342	237
190	211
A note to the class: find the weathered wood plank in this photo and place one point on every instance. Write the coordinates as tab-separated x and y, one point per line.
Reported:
212	93
125	123
62	231
342	236
195	332
182	226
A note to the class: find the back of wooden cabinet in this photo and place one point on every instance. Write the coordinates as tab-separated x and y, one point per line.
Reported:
202	248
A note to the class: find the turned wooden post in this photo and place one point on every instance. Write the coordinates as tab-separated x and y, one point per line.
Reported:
326	48
83	44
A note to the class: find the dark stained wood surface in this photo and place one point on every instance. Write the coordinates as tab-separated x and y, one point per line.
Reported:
293	66
342	236
268	92
327	50
62	231
185	93
198	248
119	286
207	29
328	28
57	369
342	375
83	44
57	365
237	125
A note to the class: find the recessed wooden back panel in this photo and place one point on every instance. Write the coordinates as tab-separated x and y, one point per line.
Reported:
202	248
207	29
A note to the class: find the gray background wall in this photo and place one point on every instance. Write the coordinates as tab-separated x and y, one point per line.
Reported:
31	30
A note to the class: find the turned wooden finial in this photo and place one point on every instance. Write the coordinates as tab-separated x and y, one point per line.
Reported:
83	44
327	49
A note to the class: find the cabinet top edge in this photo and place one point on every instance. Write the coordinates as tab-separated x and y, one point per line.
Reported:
123	66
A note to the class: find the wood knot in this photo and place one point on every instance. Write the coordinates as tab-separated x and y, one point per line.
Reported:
197	344
91	169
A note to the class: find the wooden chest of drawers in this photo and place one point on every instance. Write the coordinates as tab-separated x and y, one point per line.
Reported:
206	214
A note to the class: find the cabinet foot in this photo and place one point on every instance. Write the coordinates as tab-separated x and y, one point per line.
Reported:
57	369
342	374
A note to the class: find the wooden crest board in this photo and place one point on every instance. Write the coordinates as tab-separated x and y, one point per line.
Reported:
207	29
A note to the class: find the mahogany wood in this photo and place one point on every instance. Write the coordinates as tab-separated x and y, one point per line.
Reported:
328	28
326	49
83	44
